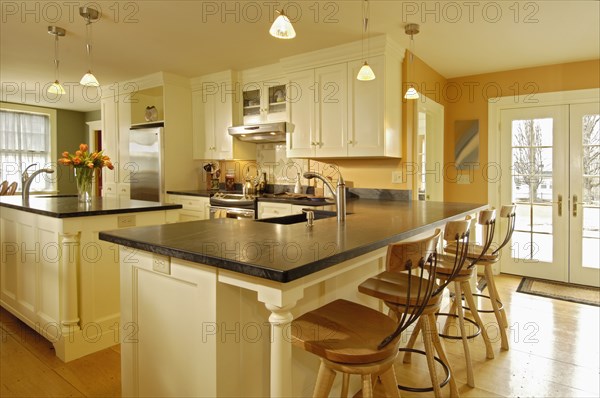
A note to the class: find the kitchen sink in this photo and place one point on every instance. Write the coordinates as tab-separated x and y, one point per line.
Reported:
297	218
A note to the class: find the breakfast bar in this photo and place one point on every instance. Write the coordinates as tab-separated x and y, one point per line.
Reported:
57	277
209	303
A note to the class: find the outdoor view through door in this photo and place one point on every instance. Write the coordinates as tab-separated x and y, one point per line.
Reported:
554	154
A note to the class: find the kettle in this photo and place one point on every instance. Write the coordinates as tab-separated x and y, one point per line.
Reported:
248	188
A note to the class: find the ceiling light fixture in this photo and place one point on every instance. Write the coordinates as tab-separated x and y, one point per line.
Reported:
90	15
365	73
56	87
411	29
282	27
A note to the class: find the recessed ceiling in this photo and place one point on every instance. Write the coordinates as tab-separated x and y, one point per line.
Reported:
192	38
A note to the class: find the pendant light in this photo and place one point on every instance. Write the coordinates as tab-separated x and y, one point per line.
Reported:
365	73
282	27
90	15
56	87
411	29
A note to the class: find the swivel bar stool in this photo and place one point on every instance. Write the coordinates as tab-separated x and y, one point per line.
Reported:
458	240
354	339
392	286
487	261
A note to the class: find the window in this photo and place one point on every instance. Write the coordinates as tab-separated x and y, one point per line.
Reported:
24	140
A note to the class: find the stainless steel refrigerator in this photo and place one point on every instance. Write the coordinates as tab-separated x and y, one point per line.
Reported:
146	162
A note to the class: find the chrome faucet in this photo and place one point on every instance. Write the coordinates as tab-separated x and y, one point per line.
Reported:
339	193
27	179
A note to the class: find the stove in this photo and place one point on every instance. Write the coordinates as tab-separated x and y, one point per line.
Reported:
232	205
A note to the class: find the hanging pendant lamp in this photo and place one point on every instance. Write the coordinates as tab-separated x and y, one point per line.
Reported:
282	27
90	15
366	72
411	29
56	88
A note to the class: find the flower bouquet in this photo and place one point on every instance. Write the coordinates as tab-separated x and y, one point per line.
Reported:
84	163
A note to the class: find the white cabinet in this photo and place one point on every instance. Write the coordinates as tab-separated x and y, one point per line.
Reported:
116	120
273	209
318	112
331	113
338	116
374	122
195	208
264	101
215	101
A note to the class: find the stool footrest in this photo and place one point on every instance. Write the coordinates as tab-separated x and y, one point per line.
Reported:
500	305
425	389
471	336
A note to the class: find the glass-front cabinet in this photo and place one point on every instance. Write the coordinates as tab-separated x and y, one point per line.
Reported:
264	102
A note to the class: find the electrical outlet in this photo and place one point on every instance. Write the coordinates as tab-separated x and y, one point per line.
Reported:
161	264
397	177
463	179
126	221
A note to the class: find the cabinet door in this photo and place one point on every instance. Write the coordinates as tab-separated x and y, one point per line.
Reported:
301	142
275	99
201	125
222	107
331	114
110	134
366	135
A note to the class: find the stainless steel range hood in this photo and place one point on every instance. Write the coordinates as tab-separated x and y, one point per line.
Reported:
259	133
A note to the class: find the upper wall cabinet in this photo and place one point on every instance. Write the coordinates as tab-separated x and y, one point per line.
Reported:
215	104
334	114
264	102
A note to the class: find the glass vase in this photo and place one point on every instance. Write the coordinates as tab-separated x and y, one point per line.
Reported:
83	178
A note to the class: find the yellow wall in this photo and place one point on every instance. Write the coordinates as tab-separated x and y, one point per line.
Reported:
467	99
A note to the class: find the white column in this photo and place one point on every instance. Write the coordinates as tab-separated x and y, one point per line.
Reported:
69	310
281	350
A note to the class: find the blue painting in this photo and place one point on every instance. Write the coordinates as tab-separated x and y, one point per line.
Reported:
466	144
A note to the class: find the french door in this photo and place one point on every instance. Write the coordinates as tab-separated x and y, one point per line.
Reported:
554	178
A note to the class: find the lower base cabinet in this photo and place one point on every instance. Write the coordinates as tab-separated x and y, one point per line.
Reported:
195	208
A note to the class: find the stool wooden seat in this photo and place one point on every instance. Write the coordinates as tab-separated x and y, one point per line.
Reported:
354	339
398	291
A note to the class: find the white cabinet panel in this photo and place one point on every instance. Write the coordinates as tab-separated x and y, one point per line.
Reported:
331	114
301	90
271	209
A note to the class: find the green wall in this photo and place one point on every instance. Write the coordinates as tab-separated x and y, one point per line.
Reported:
71	131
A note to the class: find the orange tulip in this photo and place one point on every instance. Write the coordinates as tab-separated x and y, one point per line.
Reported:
78	153
76	161
65	154
83	147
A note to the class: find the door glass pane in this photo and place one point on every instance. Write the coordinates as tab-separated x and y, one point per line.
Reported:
591	191
532	156
542	219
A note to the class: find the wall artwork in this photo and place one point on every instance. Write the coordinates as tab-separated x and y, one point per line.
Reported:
466	144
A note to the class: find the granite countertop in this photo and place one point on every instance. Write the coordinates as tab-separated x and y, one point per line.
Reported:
285	253
269	197
67	206
193	192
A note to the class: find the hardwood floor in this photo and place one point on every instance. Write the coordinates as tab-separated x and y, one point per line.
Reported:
554	352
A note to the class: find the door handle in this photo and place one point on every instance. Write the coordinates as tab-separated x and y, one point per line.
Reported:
560	203
574	205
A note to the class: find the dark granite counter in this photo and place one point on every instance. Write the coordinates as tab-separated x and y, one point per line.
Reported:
68	206
285	253
193	192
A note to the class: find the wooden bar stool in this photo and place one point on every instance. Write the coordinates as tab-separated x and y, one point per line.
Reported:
456	236
487	261
392	286
355	339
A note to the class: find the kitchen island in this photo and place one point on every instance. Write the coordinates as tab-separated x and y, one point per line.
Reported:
57	277
212	300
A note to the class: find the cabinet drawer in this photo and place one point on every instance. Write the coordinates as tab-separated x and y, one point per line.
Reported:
189	202
268	210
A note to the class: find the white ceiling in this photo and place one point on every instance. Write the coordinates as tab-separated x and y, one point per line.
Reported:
192	38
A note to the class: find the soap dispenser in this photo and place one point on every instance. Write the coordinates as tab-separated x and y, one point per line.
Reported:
298	186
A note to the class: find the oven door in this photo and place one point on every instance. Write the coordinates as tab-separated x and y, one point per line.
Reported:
231	212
